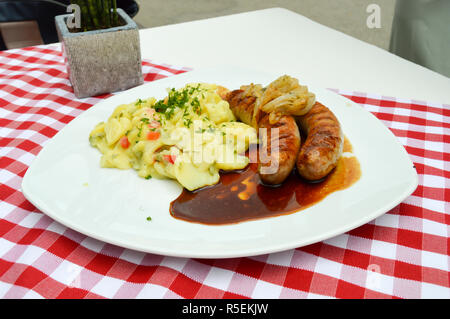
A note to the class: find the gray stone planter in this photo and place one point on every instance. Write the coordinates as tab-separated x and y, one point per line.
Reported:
101	61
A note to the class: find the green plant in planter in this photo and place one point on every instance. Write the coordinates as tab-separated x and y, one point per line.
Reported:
107	57
97	14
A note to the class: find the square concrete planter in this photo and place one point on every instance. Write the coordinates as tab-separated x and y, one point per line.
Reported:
101	61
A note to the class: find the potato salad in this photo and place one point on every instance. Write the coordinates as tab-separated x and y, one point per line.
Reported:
188	136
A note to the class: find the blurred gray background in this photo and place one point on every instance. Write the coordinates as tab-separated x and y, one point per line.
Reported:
420	32
348	16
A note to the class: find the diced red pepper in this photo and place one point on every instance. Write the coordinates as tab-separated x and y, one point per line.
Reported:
153	135
170	158
124	142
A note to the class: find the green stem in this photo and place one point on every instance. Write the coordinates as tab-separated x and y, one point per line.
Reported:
93	13
86	18
101	10
98	8
115	15
107	10
97	14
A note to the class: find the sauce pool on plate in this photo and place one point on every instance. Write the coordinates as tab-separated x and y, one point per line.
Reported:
241	196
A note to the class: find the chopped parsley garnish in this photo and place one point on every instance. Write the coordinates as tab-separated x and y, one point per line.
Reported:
149	218
145	120
195	103
179	99
139	102
187	121
148	176
174	100
194	88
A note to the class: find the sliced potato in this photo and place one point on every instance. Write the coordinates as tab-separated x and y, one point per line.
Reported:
191	142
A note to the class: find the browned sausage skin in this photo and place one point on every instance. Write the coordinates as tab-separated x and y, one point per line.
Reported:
281	158
323	146
241	105
279	161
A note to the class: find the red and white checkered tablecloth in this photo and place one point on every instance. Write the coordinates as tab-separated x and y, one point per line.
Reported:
402	254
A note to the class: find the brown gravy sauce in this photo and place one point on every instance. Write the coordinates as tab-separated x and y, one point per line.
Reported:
348	148
241	196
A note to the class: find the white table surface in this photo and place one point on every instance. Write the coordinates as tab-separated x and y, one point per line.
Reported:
280	41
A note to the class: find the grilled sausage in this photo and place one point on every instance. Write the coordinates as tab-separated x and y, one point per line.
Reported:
241	105
323	146
278	162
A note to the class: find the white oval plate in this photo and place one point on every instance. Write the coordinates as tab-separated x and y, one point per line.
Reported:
66	182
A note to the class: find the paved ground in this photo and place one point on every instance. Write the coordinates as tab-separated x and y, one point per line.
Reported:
348	16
